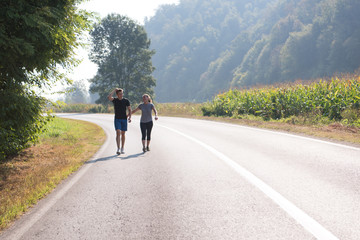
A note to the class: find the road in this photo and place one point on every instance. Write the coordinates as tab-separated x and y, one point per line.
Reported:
203	180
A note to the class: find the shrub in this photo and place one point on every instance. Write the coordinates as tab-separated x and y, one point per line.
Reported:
21	120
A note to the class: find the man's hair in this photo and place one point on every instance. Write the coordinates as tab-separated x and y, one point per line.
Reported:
119	90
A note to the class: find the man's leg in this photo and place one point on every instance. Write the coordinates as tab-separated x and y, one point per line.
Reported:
123	130
122	141
118	140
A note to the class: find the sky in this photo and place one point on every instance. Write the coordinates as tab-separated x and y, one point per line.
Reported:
134	9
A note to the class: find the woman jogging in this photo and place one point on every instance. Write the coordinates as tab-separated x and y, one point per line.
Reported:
146	122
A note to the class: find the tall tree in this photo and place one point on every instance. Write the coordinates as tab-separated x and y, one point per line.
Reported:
35	37
77	93
121	51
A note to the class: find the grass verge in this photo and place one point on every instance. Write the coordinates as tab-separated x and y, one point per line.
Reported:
36	171
306	125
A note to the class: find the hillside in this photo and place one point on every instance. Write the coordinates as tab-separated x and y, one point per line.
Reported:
204	47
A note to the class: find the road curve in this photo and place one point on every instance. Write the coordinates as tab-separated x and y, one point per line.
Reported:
203	180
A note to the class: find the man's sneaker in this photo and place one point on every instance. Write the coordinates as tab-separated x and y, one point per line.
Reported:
118	152
144	149
122	151
147	149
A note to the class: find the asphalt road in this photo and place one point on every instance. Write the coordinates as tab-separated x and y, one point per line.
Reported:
203	180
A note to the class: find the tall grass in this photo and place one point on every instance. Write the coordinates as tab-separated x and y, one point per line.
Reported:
179	109
82	108
325	98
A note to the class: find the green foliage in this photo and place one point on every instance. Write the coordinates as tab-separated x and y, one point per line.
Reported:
204	47
351	117
327	98
82	108
190	37
21	121
56	128
121	51
36	37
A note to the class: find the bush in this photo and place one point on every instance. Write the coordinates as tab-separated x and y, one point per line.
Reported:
21	120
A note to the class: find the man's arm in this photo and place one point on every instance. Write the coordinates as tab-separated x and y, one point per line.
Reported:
129	116
110	97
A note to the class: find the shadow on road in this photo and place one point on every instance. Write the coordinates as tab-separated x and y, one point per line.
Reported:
114	157
102	159
131	156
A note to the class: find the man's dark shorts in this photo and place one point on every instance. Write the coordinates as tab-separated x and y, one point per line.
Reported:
120	124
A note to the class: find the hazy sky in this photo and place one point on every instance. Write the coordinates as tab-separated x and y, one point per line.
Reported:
134	9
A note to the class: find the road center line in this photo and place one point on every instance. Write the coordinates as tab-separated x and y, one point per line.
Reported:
300	216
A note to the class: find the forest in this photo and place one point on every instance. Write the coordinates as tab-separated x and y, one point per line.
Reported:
205	47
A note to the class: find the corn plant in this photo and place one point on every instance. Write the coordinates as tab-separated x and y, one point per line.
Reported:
329	98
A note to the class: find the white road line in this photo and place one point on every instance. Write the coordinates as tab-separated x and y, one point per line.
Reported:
19	232
284	134
301	217
294	136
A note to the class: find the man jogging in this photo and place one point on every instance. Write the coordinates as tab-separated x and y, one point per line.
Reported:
121	118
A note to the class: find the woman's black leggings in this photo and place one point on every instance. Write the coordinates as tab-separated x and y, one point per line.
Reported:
146	130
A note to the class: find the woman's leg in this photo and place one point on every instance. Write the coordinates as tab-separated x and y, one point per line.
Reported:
148	133
143	134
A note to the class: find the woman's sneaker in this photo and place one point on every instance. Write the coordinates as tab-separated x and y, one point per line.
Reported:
118	152
147	149
122	151
144	149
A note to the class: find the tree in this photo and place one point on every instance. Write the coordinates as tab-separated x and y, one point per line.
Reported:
196	47
205	29
121	51
35	38
77	93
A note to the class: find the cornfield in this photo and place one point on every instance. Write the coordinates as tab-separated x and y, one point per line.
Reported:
327	98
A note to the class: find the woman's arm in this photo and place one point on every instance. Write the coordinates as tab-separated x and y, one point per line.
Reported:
154	109
135	110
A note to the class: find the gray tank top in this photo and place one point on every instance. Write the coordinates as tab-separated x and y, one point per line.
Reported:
146	109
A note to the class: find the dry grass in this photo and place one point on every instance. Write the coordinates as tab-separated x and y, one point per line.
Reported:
332	132
179	109
36	171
